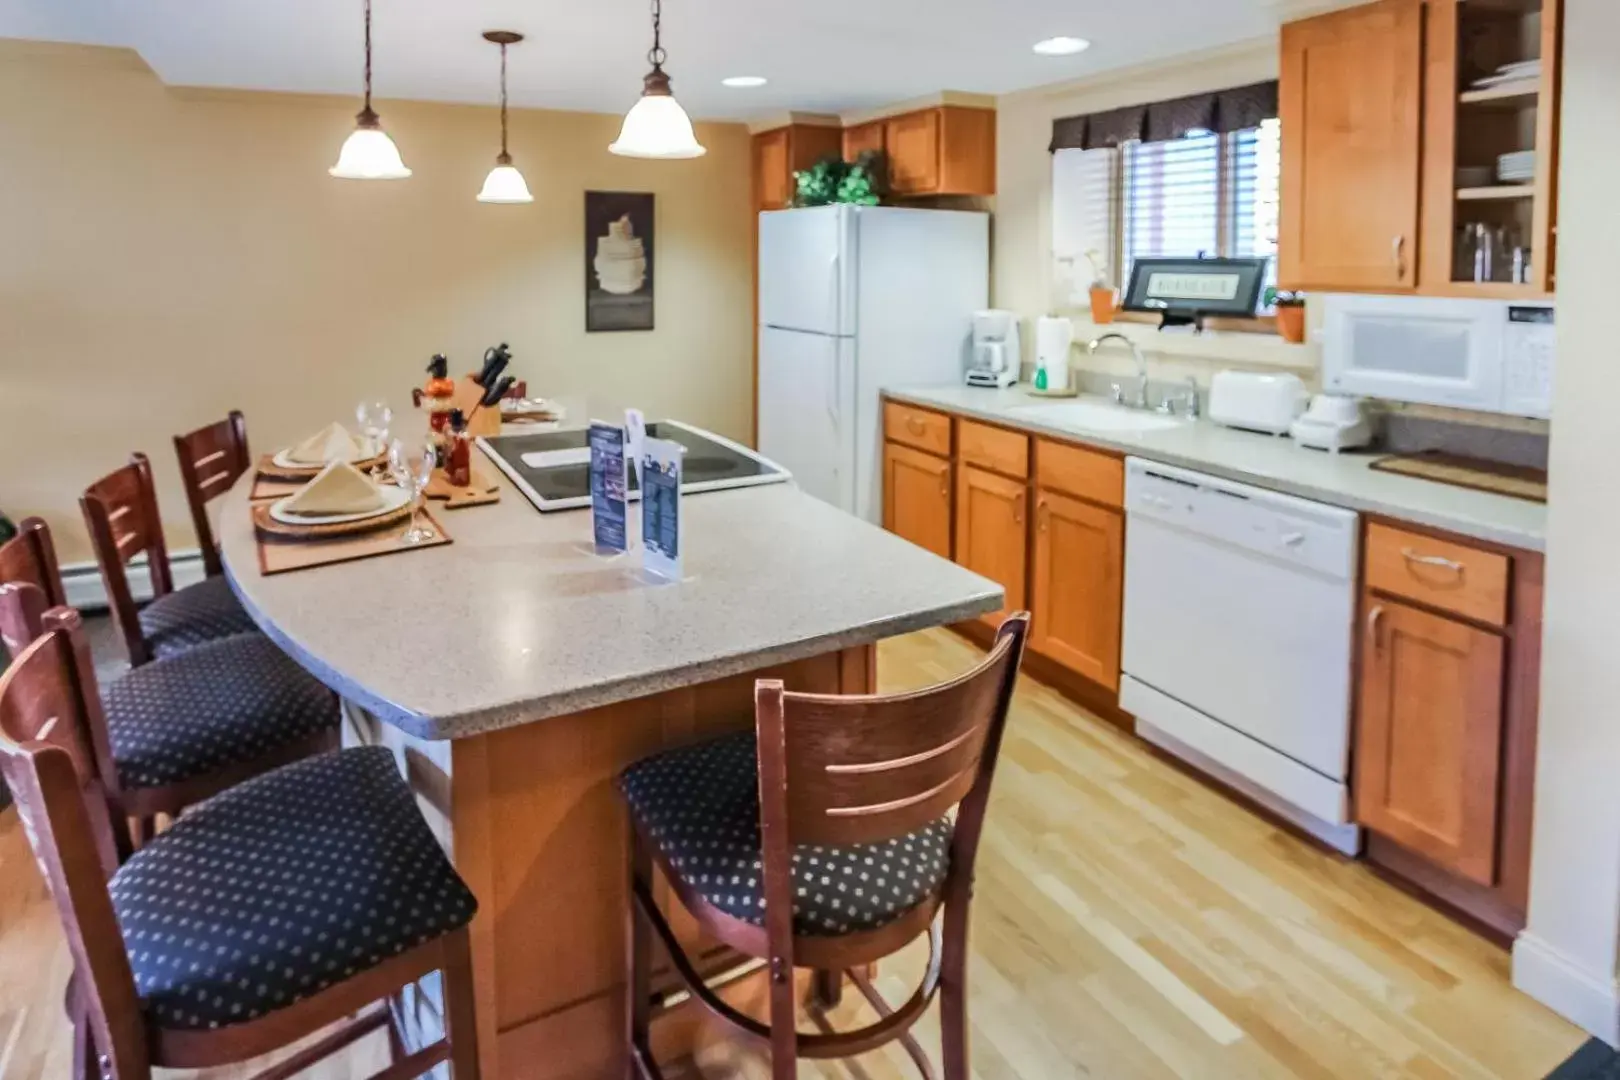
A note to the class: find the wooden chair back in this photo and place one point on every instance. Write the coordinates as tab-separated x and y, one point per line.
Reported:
29	558
212	458
840	770
47	761
121	514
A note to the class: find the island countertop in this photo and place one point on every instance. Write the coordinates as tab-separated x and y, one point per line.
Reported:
518	620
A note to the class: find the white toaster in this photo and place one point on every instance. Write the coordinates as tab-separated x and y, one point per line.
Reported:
1255	402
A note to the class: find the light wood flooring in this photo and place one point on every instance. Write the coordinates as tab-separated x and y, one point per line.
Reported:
1129	922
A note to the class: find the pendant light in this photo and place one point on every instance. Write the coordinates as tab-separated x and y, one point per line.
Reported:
657	126
504	183
368	153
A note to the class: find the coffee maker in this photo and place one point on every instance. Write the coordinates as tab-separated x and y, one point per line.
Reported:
995	356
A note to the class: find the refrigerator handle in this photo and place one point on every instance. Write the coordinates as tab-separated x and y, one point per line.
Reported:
837	387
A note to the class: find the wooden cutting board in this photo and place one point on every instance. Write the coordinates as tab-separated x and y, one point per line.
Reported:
481	492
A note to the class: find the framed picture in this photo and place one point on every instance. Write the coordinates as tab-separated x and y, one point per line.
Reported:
618	261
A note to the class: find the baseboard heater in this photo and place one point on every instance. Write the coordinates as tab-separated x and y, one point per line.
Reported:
81	582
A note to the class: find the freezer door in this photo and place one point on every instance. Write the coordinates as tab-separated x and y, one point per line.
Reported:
807	270
807	411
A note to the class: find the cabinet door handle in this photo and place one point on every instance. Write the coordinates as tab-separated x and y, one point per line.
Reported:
945	485
915	425
1018	510
1040	514
1432	560
1375	620
1399	246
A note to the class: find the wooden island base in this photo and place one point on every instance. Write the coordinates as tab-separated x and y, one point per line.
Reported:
534	824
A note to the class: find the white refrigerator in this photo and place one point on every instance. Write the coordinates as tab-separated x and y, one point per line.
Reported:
853	299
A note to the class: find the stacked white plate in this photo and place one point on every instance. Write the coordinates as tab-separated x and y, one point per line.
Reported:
1509	73
1517	167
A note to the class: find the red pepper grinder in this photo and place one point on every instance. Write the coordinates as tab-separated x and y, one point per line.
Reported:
459	465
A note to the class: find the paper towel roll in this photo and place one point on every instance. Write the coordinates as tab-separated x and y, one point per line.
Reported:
1053	337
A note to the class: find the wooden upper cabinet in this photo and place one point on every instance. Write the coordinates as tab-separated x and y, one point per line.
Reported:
947	150
1079	572
781	152
991	532
917	497
863	137
1351	107
1429	736
1468	127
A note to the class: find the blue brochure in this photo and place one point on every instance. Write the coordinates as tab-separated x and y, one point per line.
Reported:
661	508
609	489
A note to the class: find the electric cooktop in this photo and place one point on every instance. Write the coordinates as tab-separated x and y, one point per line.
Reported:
553	468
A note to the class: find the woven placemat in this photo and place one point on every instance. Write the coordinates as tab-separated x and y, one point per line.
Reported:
269	470
267	525
266	488
281	556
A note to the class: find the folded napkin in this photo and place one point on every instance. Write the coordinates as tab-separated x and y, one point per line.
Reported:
339	489
333	443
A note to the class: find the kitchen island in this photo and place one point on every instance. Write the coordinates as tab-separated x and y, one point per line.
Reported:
515	672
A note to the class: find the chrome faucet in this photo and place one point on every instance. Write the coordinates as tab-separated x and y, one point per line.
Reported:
1141	399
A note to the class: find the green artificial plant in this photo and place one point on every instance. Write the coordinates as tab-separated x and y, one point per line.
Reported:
833	180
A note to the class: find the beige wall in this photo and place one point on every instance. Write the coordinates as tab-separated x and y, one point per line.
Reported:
1568	955
171	254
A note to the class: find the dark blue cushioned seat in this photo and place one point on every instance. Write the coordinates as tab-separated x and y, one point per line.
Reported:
188	617
281	887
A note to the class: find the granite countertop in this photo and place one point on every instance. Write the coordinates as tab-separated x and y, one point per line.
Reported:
518	620
1275	463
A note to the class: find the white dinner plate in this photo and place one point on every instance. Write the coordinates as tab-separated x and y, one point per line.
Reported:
393	499
282	460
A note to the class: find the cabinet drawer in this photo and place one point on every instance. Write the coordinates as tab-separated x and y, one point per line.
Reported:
919	428
993	448
1443	574
1087	474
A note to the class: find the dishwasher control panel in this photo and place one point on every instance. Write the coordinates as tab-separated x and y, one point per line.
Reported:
1299	532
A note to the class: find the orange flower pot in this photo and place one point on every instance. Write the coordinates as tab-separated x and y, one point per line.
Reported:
1291	323
1103	304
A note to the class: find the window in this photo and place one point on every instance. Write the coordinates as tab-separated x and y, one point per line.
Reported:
1203	194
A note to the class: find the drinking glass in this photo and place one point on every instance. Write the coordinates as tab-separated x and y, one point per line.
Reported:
374	418
413	463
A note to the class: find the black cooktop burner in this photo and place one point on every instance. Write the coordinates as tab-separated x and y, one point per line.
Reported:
711	463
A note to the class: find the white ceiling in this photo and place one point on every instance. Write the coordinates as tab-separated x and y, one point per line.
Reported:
822	56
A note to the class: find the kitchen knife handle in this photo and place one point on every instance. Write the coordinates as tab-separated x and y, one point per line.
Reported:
1375	620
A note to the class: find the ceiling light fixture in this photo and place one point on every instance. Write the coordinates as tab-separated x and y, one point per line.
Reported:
368	153
1062	46
744	82
657	126
504	184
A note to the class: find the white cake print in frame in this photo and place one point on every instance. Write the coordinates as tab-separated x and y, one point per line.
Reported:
618	261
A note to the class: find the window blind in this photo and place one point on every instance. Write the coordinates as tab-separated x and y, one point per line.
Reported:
1172	199
1256	176
1084	210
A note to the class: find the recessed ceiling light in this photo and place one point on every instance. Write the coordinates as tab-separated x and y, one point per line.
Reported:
744	82
1062	46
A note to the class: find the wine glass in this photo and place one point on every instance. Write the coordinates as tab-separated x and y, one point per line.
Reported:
413	463
374	418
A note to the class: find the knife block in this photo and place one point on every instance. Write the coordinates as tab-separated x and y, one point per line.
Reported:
485	421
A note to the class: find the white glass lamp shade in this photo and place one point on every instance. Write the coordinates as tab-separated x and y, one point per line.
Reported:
505	184
369	154
657	127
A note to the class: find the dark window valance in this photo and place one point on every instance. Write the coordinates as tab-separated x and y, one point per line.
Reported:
1221	111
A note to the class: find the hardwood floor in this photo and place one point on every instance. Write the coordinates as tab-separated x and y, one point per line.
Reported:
1129	922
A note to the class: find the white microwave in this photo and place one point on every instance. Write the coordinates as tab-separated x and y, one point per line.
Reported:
1489	355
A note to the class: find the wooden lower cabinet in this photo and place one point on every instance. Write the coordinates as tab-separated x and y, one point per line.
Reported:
992	532
1079	565
917	497
1430	735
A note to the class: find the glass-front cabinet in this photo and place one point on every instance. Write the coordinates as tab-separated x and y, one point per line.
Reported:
1490	148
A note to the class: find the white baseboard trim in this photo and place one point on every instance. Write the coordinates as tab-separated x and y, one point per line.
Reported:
1590	1002
82	581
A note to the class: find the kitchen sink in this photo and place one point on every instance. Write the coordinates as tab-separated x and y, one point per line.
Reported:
1099	416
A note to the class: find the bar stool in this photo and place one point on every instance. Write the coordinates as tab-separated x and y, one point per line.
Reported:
211	459
121	513
179	730
823	840
279	908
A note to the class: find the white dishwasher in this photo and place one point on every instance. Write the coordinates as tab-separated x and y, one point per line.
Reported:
1239	611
